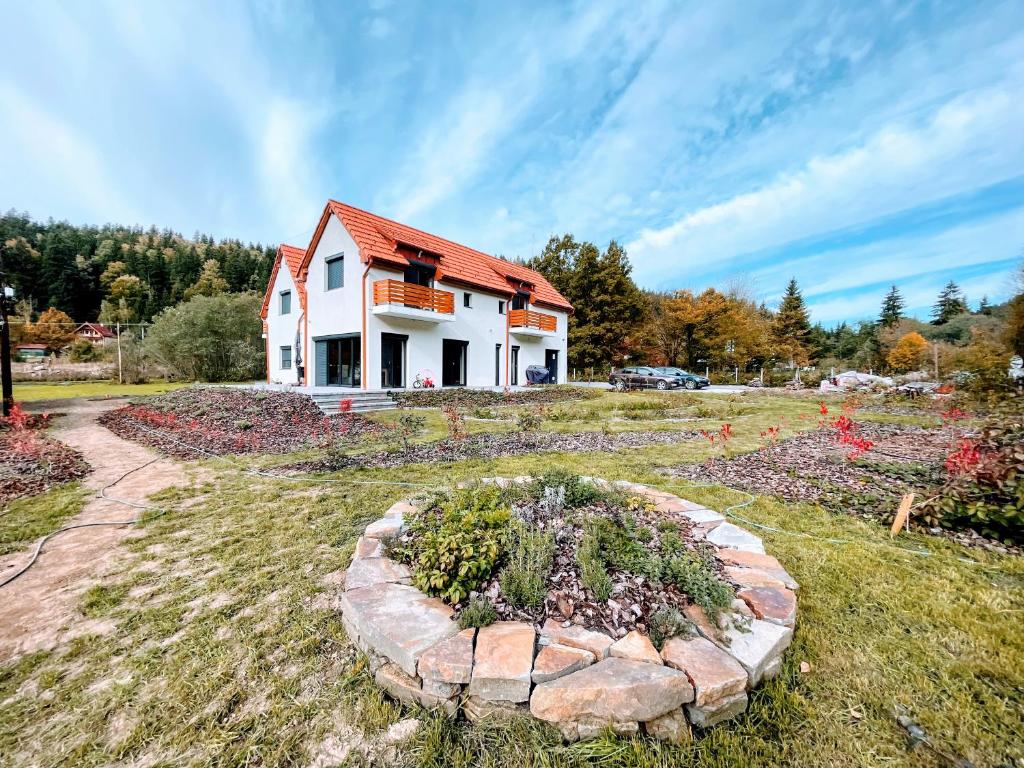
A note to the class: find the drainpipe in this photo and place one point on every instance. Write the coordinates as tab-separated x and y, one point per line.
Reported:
364	341
508	350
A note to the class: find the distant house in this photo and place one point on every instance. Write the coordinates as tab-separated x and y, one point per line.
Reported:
30	351
94	332
372	303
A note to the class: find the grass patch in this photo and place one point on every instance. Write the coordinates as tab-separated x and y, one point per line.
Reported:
25	521
63	390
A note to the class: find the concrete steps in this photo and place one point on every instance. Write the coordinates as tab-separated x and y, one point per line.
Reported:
362	402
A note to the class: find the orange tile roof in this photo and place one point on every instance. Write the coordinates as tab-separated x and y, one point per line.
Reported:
383	240
293	257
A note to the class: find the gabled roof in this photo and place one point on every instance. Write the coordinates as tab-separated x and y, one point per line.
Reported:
292	257
99	328
390	243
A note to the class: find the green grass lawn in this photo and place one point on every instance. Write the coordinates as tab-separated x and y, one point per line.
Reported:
29	392
226	648
25	521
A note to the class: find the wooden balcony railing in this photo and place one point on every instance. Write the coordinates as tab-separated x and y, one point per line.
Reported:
525	318
413	295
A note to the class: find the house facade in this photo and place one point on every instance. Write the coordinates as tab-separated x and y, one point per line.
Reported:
374	304
94	332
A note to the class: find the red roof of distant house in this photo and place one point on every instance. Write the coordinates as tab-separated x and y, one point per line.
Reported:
390	243
30	346
292	257
97	328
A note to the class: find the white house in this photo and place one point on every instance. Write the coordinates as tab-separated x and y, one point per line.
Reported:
374	304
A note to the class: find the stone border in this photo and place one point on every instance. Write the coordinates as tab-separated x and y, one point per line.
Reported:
580	680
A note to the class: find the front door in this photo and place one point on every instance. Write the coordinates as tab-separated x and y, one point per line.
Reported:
453	362
551	363
337	362
392	360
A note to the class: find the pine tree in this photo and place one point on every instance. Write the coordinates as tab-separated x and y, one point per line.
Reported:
792	326
951	303
892	308
984	307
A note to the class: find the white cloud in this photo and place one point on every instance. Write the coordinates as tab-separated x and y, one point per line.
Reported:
900	166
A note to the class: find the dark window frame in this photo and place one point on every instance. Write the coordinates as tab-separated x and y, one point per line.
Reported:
281	296
338	258
286	357
501	306
467	300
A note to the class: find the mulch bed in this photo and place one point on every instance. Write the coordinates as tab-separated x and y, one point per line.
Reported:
475	398
31	463
225	420
496	446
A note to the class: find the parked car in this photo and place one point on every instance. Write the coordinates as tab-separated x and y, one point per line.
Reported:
642	377
686	379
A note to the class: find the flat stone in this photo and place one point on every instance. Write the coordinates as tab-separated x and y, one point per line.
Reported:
636	647
368	548
757	647
765	563
772	669
734	537
477	709
751	577
700	619
401	509
450	661
441	690
555	661
671	727
718	711
503	662
713	672
703	516
375	570
576	636
612	691
774	604
407	689
386	528
397	621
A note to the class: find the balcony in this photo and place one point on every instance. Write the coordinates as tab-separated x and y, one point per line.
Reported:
394	298
526	322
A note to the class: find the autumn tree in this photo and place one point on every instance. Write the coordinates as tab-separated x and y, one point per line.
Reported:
791	327
1013	334
54	328
908	354
892	308
210	282
951	302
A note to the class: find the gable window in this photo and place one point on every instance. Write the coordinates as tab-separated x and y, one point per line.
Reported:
285	306
336	272
501	307
286	358
467	300
520	300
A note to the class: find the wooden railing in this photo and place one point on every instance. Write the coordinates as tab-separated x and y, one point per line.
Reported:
525	318
413	295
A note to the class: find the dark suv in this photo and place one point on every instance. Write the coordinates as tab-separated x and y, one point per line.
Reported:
686	379
642	376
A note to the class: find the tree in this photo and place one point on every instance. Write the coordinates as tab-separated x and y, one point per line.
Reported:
696	318
951	302
984	307
1013	334
210	282
908	354
792	326
54	328
892	308
210	338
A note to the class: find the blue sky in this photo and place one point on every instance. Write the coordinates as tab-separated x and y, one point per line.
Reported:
851	145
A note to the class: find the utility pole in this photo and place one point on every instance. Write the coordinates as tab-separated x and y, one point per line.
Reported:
6	295
120	378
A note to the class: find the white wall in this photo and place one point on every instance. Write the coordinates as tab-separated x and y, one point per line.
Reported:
281	328
340	312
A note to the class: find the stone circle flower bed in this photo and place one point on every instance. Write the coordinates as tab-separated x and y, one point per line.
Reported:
587	604
223	420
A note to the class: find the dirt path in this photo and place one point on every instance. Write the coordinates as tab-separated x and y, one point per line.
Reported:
39	609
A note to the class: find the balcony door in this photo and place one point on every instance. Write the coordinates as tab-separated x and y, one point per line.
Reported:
392	360
454	354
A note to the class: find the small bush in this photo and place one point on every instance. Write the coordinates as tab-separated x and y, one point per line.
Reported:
530	419
577	492
83	351
479	613
694	573
531	552
620	545
410	425
453	549
666	623
593	573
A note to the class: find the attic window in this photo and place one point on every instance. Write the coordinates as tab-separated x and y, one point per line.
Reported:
467	300
336	272
286	302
